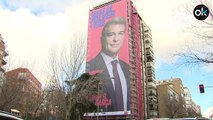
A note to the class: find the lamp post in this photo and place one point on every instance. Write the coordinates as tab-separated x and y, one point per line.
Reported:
98	102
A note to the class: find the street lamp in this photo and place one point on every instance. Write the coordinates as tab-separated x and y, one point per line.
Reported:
98	104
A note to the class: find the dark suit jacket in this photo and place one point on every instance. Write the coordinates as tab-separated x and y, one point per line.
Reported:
98	64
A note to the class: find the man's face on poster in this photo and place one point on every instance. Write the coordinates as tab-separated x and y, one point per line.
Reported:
114	38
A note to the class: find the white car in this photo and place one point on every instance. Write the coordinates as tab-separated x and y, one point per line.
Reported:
8	116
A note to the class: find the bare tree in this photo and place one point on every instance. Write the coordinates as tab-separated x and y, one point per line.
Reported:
202	31
66	89
17	94
66	62
33	102
11	94
191	113
175	106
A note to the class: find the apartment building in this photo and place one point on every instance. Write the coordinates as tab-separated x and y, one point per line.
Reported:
3	55
167	97
3	61
191	106
27	89
178	105
137	52
183	103
149	84
188	98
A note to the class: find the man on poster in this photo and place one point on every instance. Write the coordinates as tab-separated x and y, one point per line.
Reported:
115	75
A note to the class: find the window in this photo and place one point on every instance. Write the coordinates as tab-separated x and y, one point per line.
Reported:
22	76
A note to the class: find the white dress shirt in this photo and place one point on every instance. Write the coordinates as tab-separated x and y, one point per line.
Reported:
108	60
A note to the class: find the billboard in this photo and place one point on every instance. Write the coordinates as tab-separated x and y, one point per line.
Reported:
107	51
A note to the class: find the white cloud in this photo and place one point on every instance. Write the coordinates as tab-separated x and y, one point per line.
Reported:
168	21
40	6
208	112
162	21
29	36
208	68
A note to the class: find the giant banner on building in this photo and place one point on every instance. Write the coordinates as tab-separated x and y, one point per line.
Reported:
107	51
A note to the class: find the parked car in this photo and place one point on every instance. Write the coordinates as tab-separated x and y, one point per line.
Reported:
8	116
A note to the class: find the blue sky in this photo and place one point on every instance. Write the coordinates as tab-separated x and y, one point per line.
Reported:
25	24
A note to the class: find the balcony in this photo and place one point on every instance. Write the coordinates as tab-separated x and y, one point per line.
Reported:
150	72
152	94
4	62
153	100
153	107
147	38
153	113
148	44
147	30
22	76
2	69
150	64
151	85
134	89
149	56
149	51
150	78
6	53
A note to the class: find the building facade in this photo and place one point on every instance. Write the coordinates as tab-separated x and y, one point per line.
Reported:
193	110
167	99
137	52
177	86
181	106
3	61
151	100
3	55
27	89
187	97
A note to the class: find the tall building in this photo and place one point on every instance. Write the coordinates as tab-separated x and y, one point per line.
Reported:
149	83
3	62
26	87
135	60
3	55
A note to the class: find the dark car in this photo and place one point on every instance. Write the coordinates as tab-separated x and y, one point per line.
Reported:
8	116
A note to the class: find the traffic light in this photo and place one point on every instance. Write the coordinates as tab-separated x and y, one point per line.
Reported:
201	86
